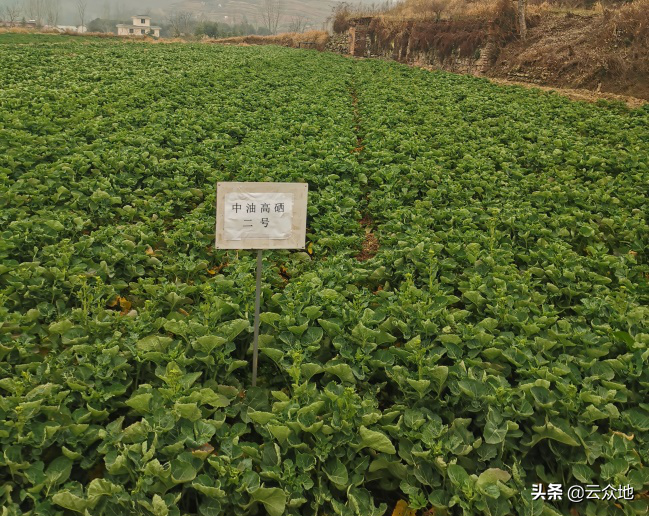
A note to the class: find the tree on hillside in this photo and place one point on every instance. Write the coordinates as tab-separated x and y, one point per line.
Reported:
12	12
340	16
181	23
224	30
109	25
271	13
297	24
36	10
81	6
436	8
52	11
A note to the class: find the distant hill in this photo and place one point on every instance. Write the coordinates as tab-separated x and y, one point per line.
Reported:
315	11
229	11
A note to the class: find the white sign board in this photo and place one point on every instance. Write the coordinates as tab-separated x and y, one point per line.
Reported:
261	215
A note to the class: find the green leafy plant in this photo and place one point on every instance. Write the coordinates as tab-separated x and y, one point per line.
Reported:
497	337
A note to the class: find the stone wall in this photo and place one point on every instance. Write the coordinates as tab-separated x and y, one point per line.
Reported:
359	37
362	40
477	64
338	43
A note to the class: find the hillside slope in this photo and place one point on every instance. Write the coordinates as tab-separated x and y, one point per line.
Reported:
571	51
600	49
316	11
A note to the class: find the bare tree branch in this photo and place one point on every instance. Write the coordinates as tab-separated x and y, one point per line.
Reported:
432	8
12	12
271	13
36	11
181	23
81	6
297	24
52	10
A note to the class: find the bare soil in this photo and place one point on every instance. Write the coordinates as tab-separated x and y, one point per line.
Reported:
370	244
580	55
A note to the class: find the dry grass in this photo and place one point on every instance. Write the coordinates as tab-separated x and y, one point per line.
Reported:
629	24
16	30
603	52
287	39
341	18
103	35
626	32
480	9
25	30
444	9
395	33
445	37
164	41
549	7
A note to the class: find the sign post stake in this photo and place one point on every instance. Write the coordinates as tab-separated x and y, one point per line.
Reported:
255	345
260	216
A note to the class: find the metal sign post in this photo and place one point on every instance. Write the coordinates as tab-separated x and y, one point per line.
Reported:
260	216
255	342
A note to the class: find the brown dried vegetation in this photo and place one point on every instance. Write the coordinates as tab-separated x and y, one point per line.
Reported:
460	36
341	18
604	50
288	39
446	37
628	25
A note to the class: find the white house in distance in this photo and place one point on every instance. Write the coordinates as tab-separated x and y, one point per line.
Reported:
141	27
71	28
